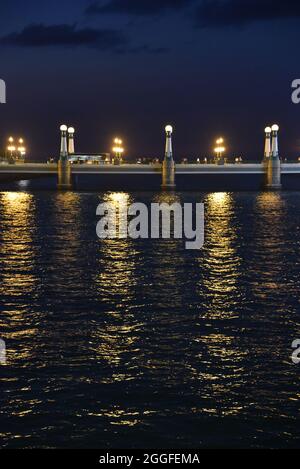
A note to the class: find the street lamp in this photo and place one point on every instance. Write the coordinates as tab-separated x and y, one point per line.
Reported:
71	132
118	150
219	150
12	148
22	151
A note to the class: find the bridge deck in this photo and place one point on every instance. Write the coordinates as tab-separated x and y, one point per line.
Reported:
51	169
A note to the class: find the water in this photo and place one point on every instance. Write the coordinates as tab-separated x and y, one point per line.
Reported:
123	343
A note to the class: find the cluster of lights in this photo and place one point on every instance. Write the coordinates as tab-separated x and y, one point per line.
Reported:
274	128
12	146
64	128
220	149
118	148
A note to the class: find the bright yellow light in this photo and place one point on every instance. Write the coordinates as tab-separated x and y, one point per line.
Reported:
21	140
220	149
218	197
118	150
11	196
11	139
11	148
120	197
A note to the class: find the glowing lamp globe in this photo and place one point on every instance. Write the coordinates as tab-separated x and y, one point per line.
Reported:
169	129
268	130
275	128
71	130
63	128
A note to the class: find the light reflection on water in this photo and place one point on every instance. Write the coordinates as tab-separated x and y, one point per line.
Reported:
121	343
19	281
221	262
270	252
17	269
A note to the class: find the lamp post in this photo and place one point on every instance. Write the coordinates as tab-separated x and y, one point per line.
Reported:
268	149
219	150
273	163
15	152
22	152
21	149
71	132
64	165
275	148
118	150
11	149
63	143
168	166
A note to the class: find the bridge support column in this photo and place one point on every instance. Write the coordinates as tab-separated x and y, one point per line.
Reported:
168	167
64	173
64	170
273	163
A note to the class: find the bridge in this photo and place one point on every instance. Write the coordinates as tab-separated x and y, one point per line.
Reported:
270	170
28	170
138	176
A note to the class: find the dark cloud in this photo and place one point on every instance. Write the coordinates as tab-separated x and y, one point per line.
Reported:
39	35
219	13
145	49
137	7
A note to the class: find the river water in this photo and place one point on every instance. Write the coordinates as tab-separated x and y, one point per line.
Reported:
142	343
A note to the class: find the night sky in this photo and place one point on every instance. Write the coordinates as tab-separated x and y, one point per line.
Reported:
128	67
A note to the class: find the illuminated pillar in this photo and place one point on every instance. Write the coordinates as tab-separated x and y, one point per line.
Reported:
64	166
273	165
268	131
275	147
63	142
168	167
71	132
